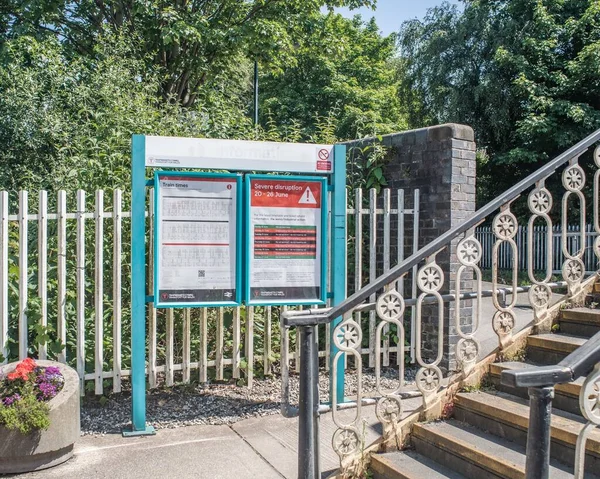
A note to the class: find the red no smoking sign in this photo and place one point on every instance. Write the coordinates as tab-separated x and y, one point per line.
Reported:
323	161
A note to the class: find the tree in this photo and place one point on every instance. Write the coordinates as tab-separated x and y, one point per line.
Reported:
524	73
67	122
192	41
345	67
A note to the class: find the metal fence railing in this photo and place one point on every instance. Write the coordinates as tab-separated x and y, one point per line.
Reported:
64	264
539	237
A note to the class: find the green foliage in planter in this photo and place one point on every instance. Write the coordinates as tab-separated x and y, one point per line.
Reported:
26	415
24	393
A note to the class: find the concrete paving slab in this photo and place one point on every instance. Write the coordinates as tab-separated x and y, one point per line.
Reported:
206	452
275	438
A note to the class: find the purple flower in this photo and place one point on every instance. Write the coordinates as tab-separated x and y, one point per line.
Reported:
52	371
7	401
48	390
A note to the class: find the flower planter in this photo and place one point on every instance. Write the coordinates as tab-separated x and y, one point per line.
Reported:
43	449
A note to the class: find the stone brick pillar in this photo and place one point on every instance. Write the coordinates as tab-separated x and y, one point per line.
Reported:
440	162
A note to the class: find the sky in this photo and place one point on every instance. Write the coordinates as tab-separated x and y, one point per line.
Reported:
391	13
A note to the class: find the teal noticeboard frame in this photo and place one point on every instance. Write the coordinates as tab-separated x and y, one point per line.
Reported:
238	238
324	243
179	151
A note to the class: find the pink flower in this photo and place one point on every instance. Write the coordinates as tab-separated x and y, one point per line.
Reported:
23	369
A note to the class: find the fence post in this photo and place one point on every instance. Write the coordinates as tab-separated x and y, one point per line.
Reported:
61	326
372	270
117	290
99	291
237	326
358	238
267	343
43	265
80	279
250	346
414	291
152	339
23	268
4	275
203	345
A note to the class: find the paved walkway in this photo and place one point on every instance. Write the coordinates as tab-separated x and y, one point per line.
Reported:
257	448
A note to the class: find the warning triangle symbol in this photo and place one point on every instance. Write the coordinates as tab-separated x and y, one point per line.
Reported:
307	198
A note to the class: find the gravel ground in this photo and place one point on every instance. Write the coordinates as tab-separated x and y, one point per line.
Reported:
214	403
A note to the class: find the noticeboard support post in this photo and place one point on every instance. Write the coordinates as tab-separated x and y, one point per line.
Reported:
138	290
338	259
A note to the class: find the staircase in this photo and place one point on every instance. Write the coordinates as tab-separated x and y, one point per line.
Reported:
487	435
487	432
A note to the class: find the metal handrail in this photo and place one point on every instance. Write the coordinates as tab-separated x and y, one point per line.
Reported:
446	298
577	364
444	240
540	381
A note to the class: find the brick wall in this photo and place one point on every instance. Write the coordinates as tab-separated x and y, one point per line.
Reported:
440	162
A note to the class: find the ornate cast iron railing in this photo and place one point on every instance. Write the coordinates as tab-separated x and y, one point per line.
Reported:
390	306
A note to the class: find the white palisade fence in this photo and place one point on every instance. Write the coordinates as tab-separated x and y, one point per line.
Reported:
68	271
539	236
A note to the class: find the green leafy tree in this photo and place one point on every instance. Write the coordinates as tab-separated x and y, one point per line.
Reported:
192	41
345	67
67	122
524	73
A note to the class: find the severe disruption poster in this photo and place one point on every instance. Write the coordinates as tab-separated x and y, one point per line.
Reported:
286	218
196	240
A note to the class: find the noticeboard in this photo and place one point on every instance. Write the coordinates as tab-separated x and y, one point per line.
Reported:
197	242
286	220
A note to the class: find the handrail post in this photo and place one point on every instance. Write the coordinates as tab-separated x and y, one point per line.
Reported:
537	465
308	427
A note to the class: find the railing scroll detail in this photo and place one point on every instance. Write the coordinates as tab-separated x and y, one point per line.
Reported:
573	270
430	279
505	227
347	337
468	252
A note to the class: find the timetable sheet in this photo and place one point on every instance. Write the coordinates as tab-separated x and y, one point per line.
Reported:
196	244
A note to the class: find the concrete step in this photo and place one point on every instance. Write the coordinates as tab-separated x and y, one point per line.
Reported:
566	396
507	416
409	465
474	453
580	321
552	348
